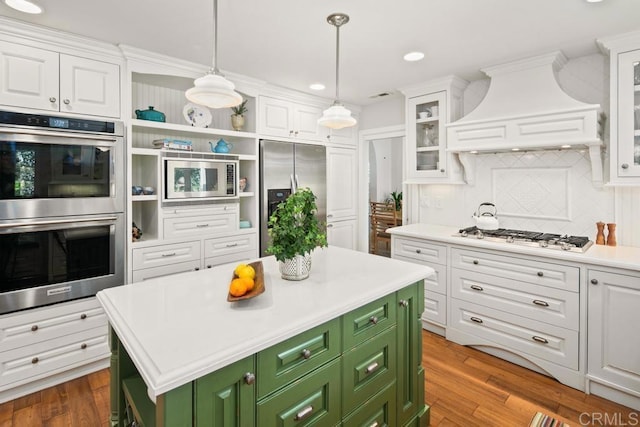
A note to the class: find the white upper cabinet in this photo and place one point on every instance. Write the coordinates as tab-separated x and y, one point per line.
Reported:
288	119
45	80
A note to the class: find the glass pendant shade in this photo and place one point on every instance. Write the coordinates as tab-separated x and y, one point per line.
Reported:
336	117
214	91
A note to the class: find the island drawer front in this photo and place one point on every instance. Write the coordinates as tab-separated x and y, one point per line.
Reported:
368	368
176	228
289	360
229	258
314	400
525	270
363	323
522	336
165	270
435	308
549	305
47	357
32	326
419	250
158	256
380	410
230	245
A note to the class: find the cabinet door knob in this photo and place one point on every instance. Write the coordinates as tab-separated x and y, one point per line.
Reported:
306	353
197	269
594	281
540	274
476	262
296	133
34	328
209	266
418	251
66	102
83	346
329	225
35	360
52	99
624	166
404	303
441	170
83	316
249	378
374	320
290	132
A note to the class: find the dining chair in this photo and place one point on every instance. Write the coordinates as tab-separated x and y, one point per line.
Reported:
382	216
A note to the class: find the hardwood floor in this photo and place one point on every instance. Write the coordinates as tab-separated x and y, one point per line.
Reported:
463	386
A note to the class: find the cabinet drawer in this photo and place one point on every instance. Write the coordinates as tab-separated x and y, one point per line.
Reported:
158	256
380	410
548	342
166	270
549	305
29	327
524	270
363	323
435	308
229	258
202	210
419	250
230	244
314	400
367	368
293	358
47	357
175	228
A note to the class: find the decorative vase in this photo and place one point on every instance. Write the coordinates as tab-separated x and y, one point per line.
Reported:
237	122
296	268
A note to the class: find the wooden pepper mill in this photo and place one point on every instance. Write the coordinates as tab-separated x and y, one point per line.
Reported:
600	235
611	235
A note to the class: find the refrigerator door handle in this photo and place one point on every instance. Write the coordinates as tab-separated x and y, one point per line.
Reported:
297	182
293	184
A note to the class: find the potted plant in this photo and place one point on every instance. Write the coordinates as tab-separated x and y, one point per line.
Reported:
396	198
295	232
237	118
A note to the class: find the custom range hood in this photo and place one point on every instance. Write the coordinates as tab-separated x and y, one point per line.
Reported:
525	109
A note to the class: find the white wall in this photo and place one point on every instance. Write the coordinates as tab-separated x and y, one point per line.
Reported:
388	112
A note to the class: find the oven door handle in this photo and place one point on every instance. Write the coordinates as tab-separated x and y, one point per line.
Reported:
38	135
6	228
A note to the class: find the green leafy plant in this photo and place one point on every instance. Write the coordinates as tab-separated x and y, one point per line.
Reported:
239	110
294	228
396	198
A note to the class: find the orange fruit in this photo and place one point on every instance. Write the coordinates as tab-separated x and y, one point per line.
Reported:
250	283
238	287
246	271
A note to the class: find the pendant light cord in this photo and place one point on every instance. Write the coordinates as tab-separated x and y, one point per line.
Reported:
337	100
214	67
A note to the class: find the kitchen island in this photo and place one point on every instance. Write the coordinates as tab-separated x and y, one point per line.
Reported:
343	346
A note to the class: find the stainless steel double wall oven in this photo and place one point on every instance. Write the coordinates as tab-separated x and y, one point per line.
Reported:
62	202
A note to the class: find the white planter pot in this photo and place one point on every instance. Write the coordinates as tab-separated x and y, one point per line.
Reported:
296	268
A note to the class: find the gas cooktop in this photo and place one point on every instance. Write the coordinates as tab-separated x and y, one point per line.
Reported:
529	238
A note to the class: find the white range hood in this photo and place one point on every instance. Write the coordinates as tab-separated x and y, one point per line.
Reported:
526	109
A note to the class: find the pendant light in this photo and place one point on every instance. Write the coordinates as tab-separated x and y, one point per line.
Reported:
337	116
213	90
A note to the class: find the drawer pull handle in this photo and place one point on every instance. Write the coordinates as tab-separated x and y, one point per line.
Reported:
374	320
404	303
476	262
540	274
541	303
476	319
202	225
329	225
594	281
540	339
83	316
231	245
35	360
418	251
306	353
477	288
371	368
304	413
374	424
83	346
249	378
34	328
168	255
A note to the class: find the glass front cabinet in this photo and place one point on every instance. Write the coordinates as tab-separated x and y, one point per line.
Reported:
429	107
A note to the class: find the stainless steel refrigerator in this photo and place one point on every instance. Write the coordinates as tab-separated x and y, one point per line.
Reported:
285	166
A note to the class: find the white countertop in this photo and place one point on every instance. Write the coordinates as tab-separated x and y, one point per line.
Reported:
178	328
625	257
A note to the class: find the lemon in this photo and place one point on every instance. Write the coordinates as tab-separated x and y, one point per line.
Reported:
246	271
238	268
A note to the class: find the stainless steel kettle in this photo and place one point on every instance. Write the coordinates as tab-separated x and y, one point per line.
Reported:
486	219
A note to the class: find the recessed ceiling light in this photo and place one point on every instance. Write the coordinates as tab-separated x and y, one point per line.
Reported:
413	56
594	1
473	151
515	149
565	146
25	6
316	86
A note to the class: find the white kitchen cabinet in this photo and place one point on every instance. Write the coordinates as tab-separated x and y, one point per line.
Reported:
429	107
345	137
614	361
342	183
167	254
283	118
47	80
343	234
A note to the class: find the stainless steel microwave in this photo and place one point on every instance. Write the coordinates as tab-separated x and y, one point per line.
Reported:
195	179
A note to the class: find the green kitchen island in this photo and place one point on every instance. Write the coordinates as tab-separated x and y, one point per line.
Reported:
342	347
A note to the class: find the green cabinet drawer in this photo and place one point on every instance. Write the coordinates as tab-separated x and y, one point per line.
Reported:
312	401
227	397
363	323
380	410
295	357
368	368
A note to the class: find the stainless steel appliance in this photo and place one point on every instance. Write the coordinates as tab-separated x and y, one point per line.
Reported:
529	238
199	176
285	166
62	222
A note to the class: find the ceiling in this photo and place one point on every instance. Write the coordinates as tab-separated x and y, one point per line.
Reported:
289	43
